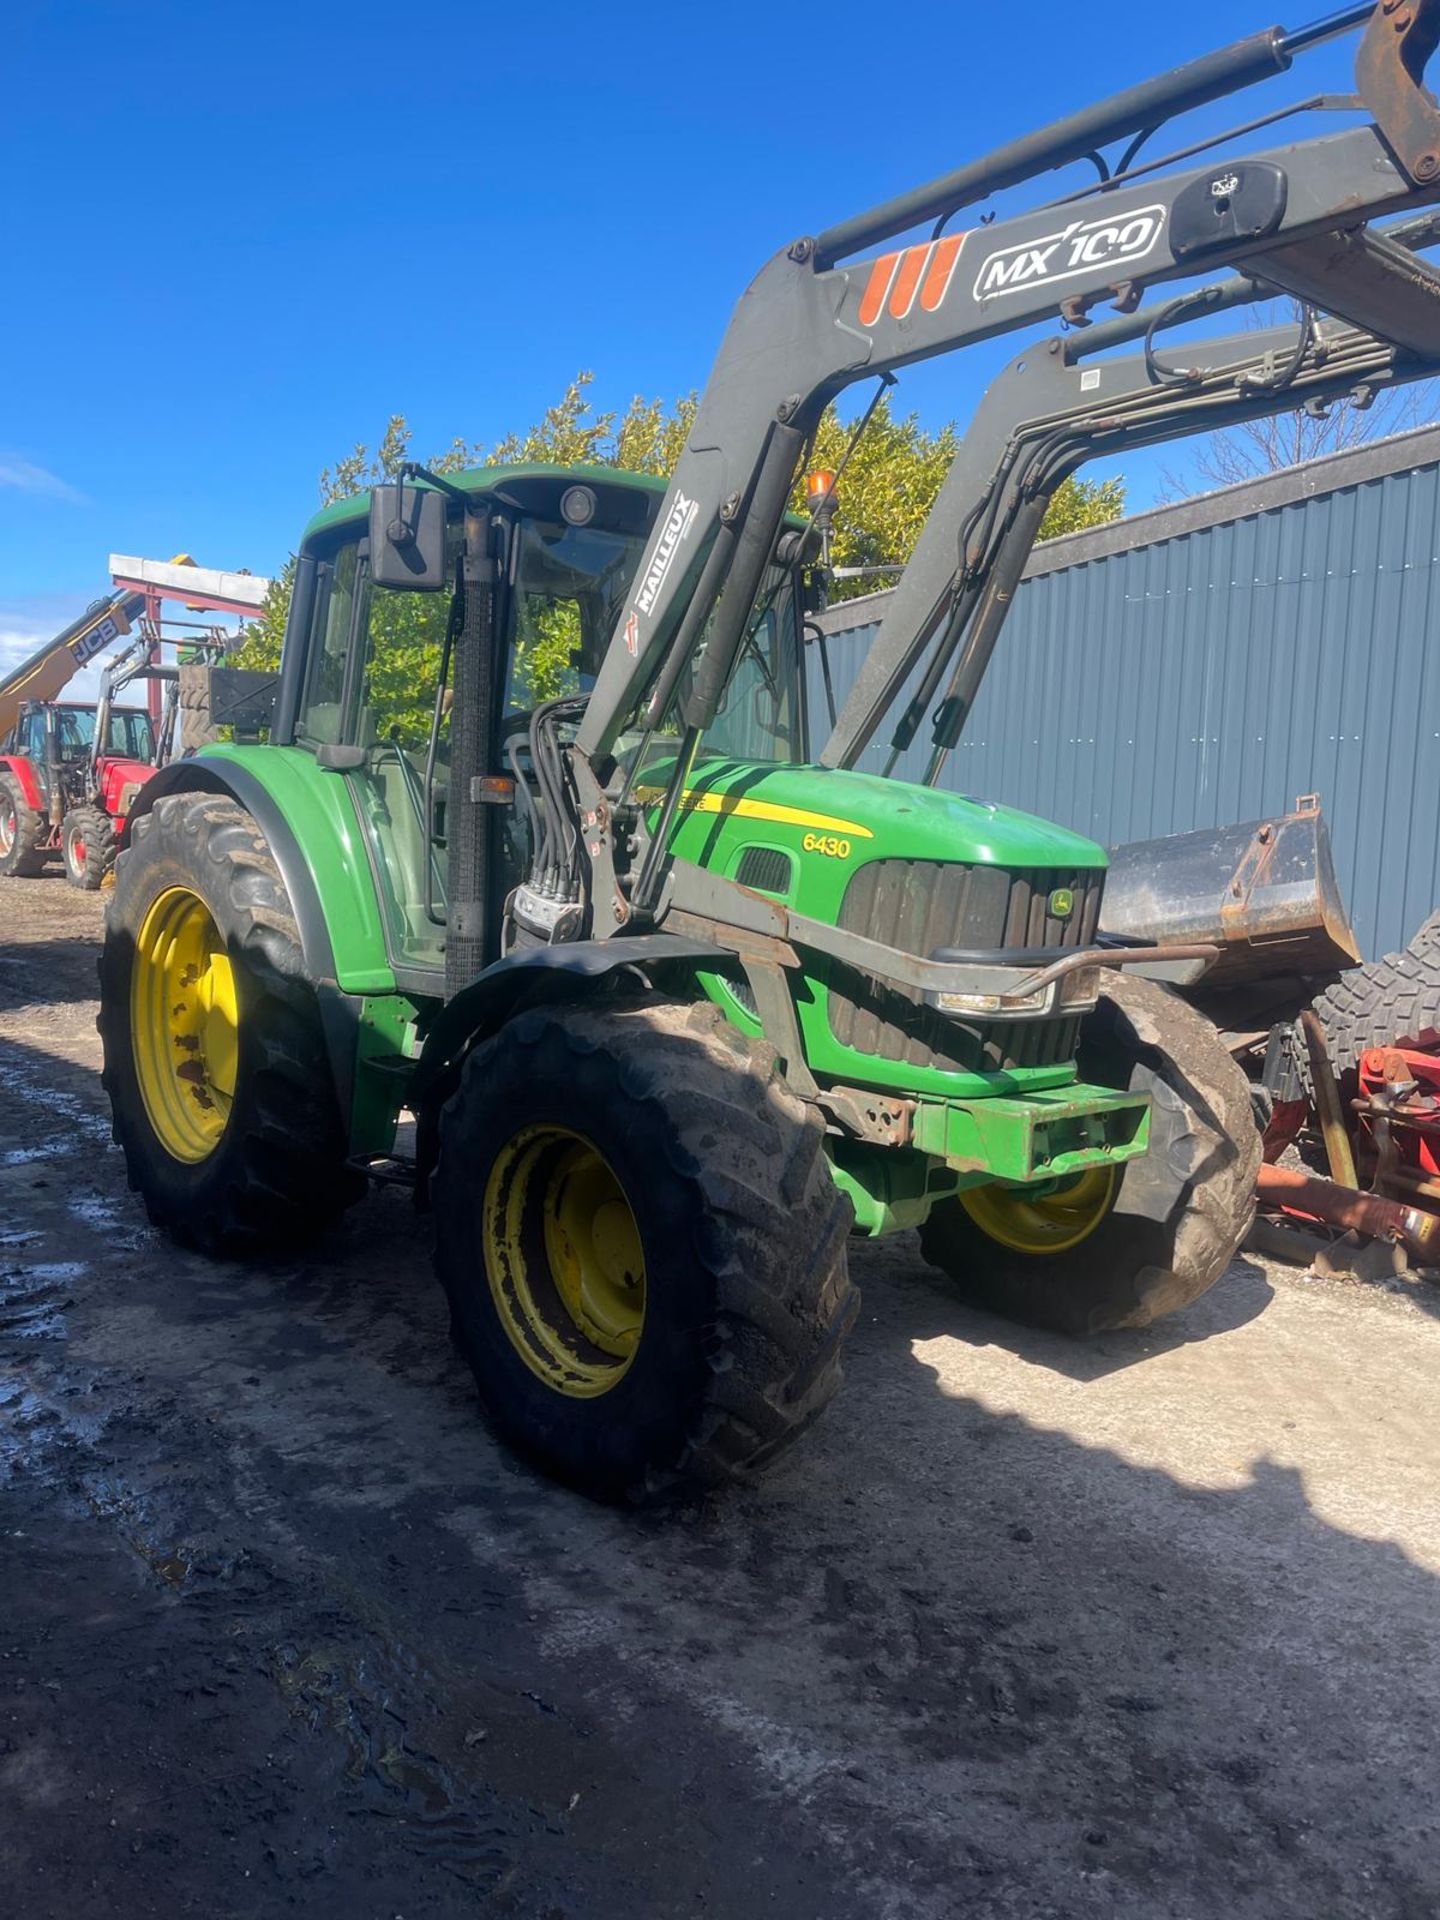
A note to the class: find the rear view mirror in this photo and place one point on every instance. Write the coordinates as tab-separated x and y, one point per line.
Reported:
407	538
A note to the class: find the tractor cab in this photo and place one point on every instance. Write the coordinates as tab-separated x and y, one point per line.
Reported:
52	734
368	679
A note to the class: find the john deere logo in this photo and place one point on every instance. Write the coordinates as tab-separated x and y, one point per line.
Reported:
1061	903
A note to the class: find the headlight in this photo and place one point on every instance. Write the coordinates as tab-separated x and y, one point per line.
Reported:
1080	988
993	1003
1071	993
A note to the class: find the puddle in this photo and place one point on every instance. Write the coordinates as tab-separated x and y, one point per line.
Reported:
33	1299
33	1427
128	1513
21	1084
94	1211
55	1149
360	1700
26	1426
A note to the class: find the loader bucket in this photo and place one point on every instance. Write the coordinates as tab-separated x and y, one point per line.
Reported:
1264	891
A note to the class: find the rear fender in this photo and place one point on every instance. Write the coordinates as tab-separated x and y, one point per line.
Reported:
339	1008
24	772
538	976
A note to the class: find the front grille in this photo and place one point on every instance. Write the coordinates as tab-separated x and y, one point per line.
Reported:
920	906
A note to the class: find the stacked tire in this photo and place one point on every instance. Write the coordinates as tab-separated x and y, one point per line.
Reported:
197	728
1389	1002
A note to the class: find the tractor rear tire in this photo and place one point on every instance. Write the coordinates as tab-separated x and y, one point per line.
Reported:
87	846
20	828
1178	1212
215	1061
642	1246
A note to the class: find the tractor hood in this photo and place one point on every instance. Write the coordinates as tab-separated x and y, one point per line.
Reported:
120	781
851	817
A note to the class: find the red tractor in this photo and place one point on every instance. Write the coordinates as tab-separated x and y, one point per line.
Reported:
70	771
69	774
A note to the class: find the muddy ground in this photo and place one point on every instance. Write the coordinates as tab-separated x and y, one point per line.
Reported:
1149	1628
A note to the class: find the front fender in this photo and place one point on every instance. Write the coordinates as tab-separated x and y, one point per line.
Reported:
17	764
240	784
561	972
557	974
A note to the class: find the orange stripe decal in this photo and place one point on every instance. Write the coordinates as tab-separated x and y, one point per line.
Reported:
882	273
943	256
902	294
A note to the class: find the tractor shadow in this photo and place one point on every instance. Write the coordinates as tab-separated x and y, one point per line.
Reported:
1241	1295
44	973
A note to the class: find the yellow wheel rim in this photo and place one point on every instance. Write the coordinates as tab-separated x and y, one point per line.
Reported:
564	1260
184	1025
1043	1223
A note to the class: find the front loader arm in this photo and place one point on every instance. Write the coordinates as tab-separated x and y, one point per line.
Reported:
1045	415
804	331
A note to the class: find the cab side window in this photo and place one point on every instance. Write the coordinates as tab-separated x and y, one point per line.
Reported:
320	718
374	660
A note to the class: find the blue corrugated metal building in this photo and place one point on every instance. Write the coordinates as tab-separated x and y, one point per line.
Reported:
1209	662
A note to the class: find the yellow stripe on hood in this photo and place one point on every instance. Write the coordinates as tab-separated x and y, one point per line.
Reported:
746	809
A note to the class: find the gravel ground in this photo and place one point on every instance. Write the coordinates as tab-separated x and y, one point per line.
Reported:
1147	1628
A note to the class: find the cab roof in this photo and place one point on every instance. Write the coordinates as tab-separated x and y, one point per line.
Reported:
484	480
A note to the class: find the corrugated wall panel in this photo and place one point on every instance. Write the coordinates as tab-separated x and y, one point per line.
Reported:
1214	675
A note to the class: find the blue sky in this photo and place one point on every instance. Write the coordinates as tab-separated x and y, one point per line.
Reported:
238	238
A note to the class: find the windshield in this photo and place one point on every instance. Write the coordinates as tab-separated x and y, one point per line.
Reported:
569	587
131	737
760	715
74	730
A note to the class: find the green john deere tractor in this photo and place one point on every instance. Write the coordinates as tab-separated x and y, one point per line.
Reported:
539	853
644	1153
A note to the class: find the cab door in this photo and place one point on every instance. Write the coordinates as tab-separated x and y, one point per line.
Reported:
366	711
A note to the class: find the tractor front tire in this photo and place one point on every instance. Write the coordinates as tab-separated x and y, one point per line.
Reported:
1166	1224
215	1061
642	1246
21	827
87	845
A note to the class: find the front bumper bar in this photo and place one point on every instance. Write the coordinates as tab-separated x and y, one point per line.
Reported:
1044	1136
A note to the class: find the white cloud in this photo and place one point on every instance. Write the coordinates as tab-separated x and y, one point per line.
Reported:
25	477
22	633
16	642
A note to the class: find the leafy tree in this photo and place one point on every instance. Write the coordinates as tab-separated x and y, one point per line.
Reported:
884	499
889	486
1078	504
